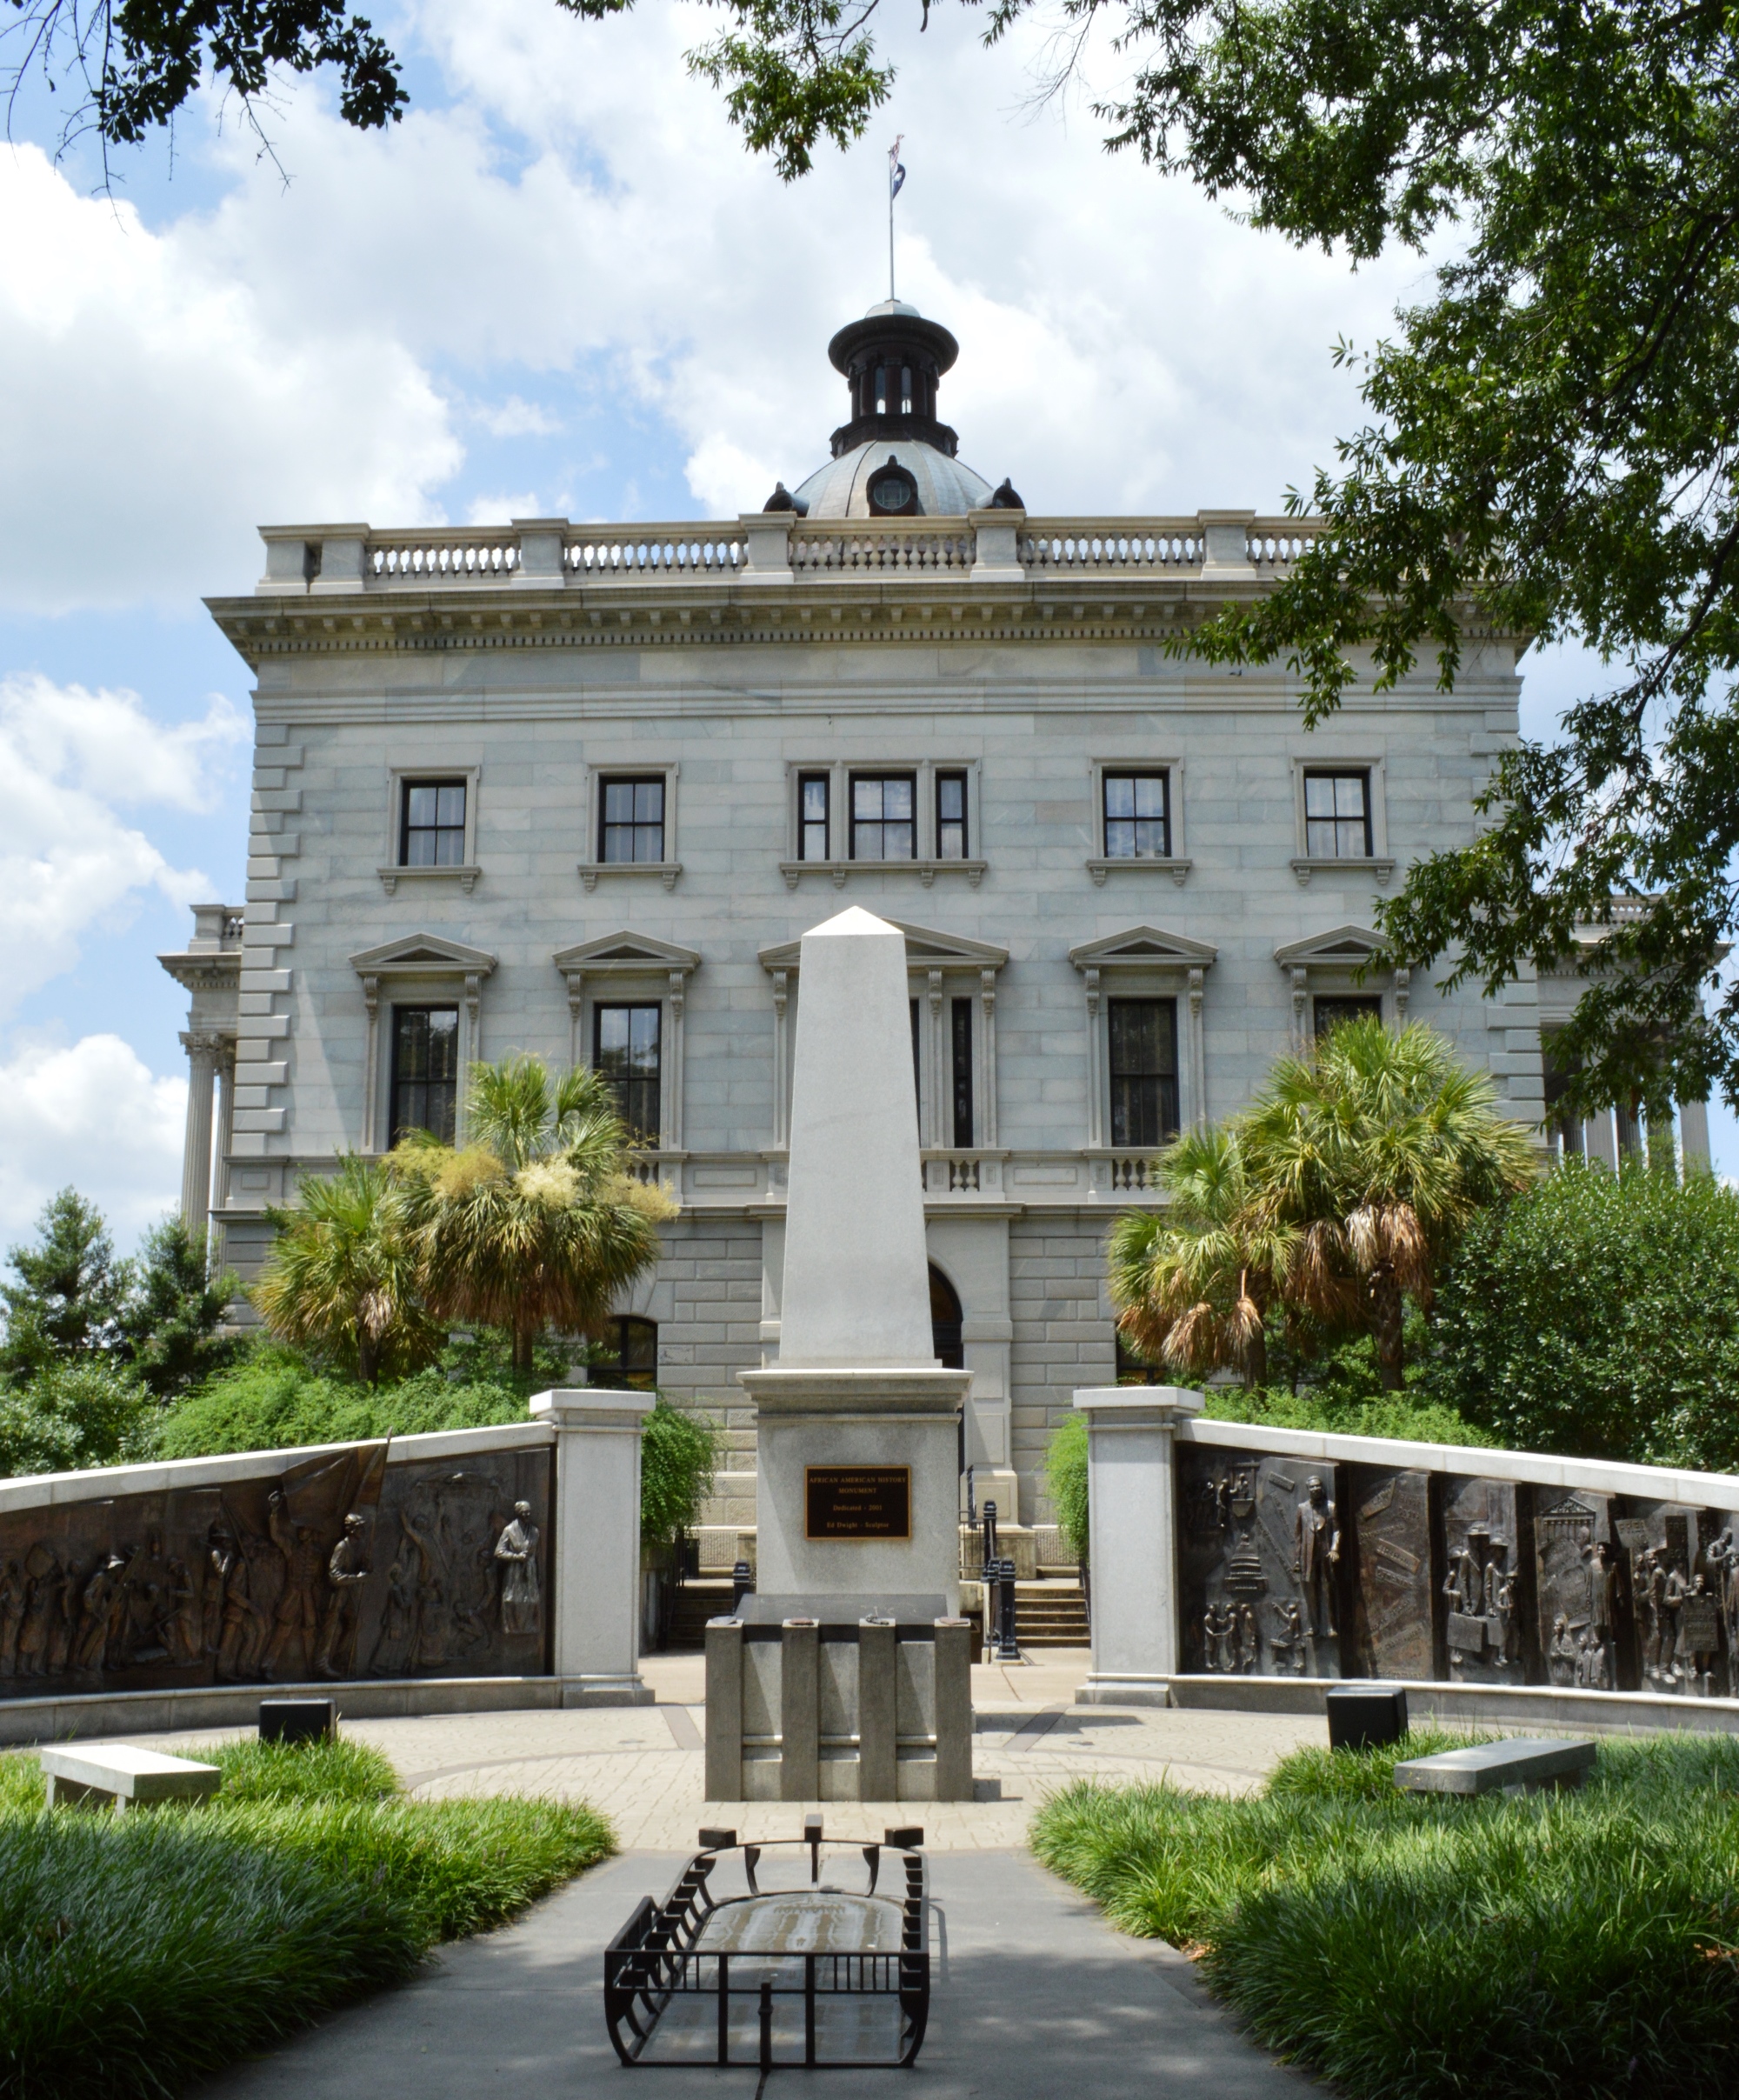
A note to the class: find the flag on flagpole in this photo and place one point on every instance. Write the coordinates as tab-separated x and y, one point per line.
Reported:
896	174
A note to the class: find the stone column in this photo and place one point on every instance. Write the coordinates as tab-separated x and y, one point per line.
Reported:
1132	1506
203	1047
220	1166
596	1605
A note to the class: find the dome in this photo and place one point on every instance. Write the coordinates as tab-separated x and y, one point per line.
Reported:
894	457
944	487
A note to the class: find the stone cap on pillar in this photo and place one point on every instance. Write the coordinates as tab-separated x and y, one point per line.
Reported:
1138	1406
593	1407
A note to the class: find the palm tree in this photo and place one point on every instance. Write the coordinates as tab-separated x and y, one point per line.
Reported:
1377	1151
1192	1283
537	1222
342	1278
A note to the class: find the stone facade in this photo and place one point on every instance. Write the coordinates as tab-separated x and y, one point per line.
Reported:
1023	657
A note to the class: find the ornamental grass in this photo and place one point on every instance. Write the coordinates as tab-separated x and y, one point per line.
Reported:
140	1952
1429	1948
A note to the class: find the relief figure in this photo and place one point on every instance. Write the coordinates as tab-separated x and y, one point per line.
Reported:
516	1550
1316	1551
398	1617
1564	1656
41	1594
11	1615
96	1608
346	1575
296	1621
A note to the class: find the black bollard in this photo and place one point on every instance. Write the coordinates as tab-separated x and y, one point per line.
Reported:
742	1584
1008	1645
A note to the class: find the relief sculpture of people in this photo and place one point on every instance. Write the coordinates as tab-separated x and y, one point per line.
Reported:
1261	1559
336	1565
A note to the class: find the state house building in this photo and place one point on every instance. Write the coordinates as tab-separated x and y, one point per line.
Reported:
579	789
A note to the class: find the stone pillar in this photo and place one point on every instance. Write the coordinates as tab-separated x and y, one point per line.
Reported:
204	1048
1132	1519
220	1164
1694	1136
596	1605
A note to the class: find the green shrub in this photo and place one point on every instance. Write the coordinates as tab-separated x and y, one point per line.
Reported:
678	1457
139	1952
1598	1316
1420	1948
1065	1472
275	1401
71	1415
1407	1414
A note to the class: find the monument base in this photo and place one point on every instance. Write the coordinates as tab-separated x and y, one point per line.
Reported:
816	1427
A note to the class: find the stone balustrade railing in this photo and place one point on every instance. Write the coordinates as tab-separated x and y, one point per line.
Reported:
779	547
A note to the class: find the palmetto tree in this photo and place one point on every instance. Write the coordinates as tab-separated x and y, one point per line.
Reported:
1375	1152
1192	1283
342	1276
537	1222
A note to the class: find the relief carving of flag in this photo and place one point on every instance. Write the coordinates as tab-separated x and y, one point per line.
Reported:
896	174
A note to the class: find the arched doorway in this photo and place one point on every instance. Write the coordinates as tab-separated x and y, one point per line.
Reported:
945	1317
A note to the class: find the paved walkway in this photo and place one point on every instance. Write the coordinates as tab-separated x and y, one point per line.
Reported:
1033	1997
643	1767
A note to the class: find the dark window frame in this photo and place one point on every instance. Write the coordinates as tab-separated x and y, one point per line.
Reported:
950	778
1341	1006
1110	776
806	823
411	1094
960	1064
1145	1105
884	823
632	1364
1314	847
634	825
632	1093
442	834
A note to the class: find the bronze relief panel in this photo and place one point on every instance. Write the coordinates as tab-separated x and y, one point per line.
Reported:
278	1579
1488	1625
1680	1562
1583	1613
1393	1632
1259	1552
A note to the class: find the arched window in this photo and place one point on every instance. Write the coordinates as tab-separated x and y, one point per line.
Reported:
945	1318
629	1356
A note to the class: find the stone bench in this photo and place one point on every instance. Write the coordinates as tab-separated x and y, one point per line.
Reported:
117	1772
1488	1768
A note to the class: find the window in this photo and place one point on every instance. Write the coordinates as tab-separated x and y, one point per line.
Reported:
432	832
1137	815
1328	1014
883	817
961	1045
947	1323
951	817
625	1050
1144	1041
1563	1129
631	820
627	1356
1132	1371
1337	815
813	795
425	1072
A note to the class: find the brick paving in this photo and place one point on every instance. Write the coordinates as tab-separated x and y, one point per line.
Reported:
643	1767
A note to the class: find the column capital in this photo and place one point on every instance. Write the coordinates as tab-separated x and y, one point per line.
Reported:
205	1043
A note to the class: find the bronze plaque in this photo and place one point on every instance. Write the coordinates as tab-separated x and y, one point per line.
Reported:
1259	1559
1391	1516
857	1501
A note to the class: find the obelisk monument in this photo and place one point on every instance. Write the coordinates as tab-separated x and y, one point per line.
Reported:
858	1490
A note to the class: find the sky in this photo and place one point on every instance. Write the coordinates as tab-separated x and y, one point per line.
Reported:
561	287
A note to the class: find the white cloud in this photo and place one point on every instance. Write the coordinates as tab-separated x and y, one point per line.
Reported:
91	1115
153	417
515	418
69	757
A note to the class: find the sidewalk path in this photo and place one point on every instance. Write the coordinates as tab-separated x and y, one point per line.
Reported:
1034	1997
644	1767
